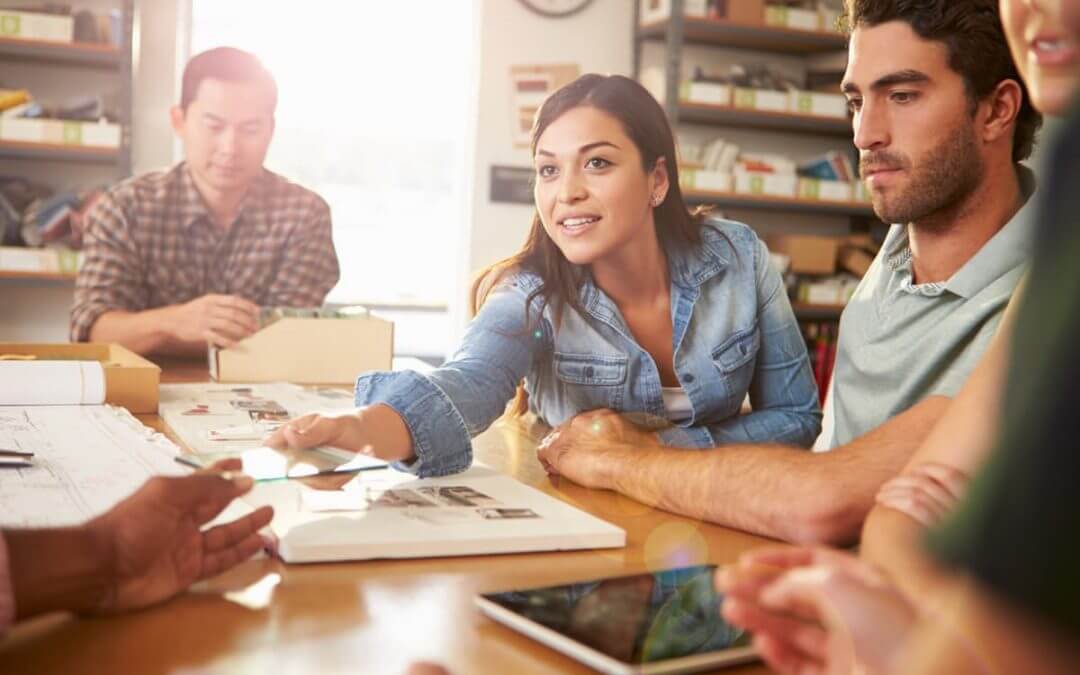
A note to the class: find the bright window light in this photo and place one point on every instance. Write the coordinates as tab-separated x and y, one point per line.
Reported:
372	101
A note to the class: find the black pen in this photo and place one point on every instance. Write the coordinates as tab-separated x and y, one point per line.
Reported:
326	472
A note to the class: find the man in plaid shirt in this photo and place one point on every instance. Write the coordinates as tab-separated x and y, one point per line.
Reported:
178	259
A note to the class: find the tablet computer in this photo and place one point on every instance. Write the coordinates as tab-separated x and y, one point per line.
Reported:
662	622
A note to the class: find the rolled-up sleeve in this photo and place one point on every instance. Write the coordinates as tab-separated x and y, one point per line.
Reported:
309	264
445	408
783	394
7	591
110	277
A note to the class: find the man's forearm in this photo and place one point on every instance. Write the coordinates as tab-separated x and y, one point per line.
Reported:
776	491
58	569
147	332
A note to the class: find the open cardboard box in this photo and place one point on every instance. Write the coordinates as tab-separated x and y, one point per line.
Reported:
130	380
308	351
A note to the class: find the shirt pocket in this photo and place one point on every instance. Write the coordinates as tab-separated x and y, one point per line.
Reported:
591	381
736	359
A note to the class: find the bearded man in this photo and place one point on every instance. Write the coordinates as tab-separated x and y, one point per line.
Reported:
942	122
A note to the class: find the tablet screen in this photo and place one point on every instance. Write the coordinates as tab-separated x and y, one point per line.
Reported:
636	619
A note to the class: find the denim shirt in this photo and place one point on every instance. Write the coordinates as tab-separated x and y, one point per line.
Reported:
734	333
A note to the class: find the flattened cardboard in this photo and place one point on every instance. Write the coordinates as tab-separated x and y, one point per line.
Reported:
308	351
130	380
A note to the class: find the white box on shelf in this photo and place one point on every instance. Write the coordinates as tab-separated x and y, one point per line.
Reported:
769	184
708	93
710	181
761	99
49	260
861	194
820	104
60	132
825	190
36	26
791	17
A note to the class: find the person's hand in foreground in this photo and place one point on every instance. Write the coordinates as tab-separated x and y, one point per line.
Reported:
817	611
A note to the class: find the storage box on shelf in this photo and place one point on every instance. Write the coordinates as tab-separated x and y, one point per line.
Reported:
23	25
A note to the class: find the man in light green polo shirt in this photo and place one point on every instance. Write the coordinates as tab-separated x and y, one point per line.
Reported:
942	122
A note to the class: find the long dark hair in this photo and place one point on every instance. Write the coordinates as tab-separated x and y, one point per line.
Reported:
644	122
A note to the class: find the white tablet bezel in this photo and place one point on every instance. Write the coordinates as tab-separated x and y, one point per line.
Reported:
602	662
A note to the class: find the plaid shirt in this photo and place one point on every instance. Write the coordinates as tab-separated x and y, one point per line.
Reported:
150	242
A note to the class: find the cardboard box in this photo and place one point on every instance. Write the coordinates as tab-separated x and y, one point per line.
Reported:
749	12
825	190
761	99
792	17
817	103
710	181
308	351
809	254
35	26
855	260
130	380
776	185
60	132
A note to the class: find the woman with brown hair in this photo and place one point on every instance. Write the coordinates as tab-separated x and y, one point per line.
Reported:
621	298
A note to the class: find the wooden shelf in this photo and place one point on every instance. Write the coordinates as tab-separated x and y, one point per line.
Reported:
770	203
717	32
67	277
810	311
56	152
90	55
731	116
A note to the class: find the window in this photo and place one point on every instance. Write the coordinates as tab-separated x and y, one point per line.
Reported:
371	115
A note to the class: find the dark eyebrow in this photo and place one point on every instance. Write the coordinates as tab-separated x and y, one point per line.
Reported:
899	77
583	149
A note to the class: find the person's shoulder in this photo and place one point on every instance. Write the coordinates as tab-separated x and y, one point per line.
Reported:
725	237
283	193
153	186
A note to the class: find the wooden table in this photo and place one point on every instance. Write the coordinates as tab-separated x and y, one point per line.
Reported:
369	617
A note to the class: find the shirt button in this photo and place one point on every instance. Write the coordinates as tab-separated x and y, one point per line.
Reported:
588	372
688	377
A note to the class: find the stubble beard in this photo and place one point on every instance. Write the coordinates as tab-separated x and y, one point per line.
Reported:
941	181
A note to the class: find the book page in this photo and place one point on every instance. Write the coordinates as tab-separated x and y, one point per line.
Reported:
51	383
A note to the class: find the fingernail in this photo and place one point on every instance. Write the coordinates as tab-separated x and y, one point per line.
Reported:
243	482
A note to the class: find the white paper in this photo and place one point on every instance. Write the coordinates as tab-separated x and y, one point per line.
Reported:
86	459
51	383
213	418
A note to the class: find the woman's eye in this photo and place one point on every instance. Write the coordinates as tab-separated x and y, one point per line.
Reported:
597	163
546	171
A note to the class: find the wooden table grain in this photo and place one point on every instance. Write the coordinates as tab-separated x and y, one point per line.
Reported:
374	616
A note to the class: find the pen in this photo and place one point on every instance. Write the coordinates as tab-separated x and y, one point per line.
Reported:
16	453
181	459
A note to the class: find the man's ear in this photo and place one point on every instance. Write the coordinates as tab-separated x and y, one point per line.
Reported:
176	119
999	111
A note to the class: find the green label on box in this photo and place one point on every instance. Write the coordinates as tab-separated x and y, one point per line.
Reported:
809	188
10	24
805	103
757	184
686	178
775	16
745	98
72	133
68	261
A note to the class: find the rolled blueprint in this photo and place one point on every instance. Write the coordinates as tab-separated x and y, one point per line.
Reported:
52	383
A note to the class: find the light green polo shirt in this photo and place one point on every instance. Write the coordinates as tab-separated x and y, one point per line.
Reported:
900	342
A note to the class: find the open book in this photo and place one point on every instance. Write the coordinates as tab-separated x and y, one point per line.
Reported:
391	514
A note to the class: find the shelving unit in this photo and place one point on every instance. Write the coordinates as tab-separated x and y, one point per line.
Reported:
37	59
678	30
